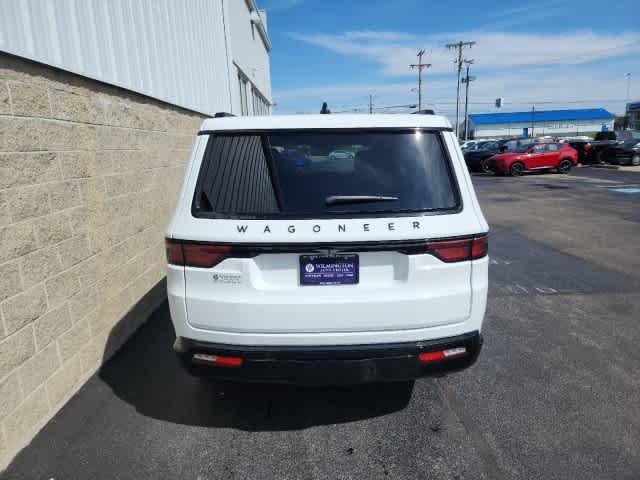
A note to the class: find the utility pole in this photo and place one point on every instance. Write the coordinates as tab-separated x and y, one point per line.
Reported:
628	75
420	66
370	103
467	80
533	119
459	45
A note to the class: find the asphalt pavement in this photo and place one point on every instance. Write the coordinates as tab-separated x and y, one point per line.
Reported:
554	395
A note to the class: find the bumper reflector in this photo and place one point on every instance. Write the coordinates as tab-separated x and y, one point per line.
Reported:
441	354
221	360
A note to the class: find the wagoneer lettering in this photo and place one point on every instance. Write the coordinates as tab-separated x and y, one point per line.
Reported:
282	253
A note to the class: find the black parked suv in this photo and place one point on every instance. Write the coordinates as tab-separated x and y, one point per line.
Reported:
477	157
619	147
627	149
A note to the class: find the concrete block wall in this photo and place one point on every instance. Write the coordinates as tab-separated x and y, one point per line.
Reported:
89	174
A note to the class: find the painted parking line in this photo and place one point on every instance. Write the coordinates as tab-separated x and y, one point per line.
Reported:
620	185
626	190
517	289
499	261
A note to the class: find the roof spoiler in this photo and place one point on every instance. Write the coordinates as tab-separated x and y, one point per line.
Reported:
425	111
223	114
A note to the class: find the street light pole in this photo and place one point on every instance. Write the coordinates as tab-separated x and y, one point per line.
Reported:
628	75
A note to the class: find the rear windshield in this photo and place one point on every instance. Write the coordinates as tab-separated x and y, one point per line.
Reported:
305	174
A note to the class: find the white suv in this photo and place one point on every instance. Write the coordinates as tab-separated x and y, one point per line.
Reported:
327	249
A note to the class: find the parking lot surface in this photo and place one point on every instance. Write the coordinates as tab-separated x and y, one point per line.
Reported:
554	393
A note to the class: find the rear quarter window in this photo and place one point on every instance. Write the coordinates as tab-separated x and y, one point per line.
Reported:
295	174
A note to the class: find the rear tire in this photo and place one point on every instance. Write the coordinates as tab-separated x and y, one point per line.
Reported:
484	165
635	160
565	165
516	169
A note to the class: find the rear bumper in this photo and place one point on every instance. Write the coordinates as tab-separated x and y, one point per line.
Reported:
330	365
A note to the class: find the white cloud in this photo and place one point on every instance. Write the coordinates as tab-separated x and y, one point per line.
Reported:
523	12
547	88
344	90
394	51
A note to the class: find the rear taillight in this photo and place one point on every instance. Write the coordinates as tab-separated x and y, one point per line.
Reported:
175	256
479	246
450	250
193	254
459	250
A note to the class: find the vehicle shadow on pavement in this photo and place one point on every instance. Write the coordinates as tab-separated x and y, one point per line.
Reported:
146	374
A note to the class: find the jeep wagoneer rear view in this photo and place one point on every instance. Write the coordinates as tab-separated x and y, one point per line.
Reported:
327	249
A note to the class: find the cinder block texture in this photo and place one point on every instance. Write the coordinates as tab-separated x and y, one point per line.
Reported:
89	174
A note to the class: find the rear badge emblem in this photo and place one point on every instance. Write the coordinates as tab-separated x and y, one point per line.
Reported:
227	278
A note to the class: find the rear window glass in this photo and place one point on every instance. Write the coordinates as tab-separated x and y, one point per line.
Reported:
323	174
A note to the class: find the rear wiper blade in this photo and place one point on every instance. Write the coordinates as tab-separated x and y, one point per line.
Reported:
345	199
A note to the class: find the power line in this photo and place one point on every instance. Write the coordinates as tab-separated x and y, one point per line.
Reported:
364	107
541	102
411	105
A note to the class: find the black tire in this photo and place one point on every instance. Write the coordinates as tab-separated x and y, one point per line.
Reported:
516	169
635	159
484	165
599	157
565	165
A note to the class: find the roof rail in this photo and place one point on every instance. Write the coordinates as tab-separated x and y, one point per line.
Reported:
223	114
425	111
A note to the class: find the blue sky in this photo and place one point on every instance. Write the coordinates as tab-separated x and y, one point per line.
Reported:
553	53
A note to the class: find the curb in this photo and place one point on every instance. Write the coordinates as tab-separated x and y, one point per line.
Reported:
602	165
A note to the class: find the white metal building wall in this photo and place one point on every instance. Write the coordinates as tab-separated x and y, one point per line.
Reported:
167	49
247	46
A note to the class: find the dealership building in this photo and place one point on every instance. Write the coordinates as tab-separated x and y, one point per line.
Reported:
100	103
532	123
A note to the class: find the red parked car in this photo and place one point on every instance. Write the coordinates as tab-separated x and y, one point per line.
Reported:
535	156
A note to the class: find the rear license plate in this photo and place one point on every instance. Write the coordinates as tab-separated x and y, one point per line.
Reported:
323	270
